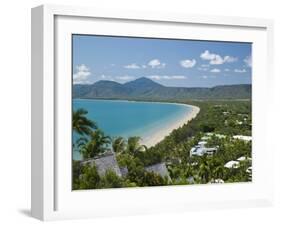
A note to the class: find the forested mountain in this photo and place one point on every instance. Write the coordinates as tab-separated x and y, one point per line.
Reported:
144	88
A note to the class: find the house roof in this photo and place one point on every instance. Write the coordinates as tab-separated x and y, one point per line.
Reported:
232	164
190	180
104	163
209	134
199	151
202	143
242	158
124	171
159	168
241	137
211	149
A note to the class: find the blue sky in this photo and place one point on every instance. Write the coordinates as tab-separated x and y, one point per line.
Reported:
184	63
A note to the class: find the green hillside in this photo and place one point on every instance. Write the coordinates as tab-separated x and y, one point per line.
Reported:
144	88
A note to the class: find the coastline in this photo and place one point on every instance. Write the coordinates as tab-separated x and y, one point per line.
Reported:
155	138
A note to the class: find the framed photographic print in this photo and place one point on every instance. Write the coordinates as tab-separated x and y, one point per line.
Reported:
138	112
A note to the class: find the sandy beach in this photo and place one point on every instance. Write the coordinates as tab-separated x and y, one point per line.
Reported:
155	138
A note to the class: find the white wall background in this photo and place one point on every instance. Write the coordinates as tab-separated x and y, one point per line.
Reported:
15	111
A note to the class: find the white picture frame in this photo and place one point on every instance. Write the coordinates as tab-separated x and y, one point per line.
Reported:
52	197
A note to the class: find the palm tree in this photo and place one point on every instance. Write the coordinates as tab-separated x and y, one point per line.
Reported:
219	172
81	142
204	170
134	145
119	144
80	123
98	143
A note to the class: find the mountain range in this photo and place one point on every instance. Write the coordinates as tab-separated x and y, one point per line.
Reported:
146	89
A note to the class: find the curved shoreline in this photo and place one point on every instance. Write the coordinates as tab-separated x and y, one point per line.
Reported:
155	137
166	130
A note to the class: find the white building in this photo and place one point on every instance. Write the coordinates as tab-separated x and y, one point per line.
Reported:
205	138
249	170
200	149
197	150
242	158
216	181
239	122
202	143
216	135
244	138
232	164
221	136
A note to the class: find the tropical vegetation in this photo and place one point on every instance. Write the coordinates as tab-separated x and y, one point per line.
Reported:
219	121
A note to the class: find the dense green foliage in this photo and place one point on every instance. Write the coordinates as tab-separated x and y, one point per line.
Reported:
96	143
81	124
146	89
219	120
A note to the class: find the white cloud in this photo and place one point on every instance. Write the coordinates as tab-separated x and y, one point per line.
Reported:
215	70
132	66
230	59
240	70
178	77
107	77
216	58
81	75
208	76
202	69
226	69
166	77
188	63
155	63
248	61
207	55
125	77
156	77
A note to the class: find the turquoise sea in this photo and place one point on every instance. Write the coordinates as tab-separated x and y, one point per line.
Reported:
129	118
